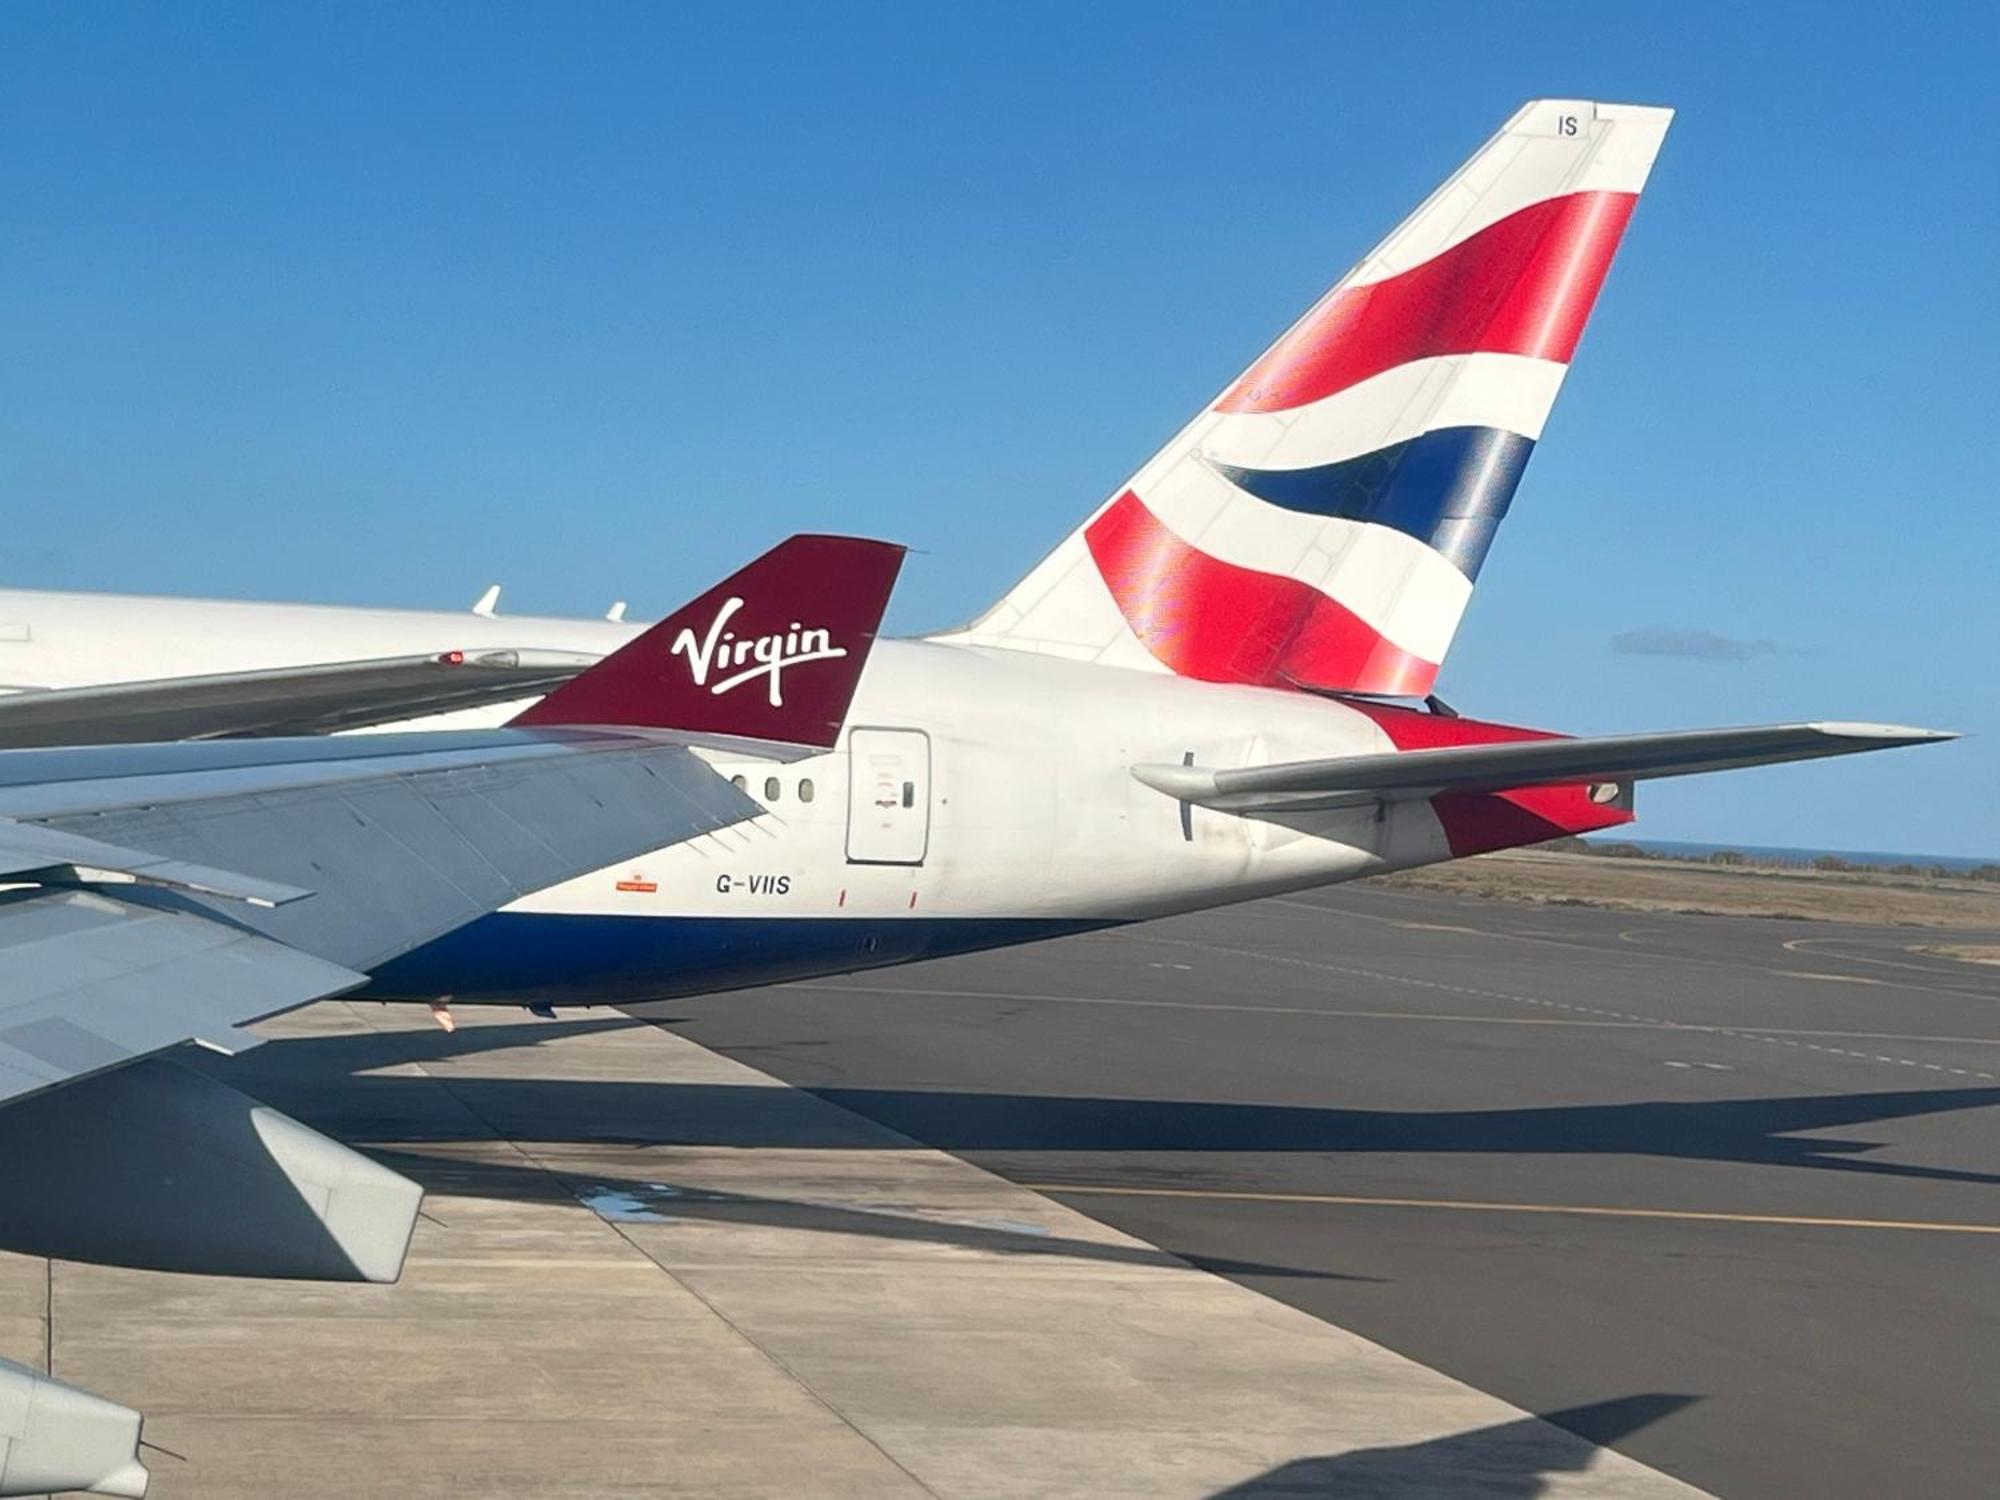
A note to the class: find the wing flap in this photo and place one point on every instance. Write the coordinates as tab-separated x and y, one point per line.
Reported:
322	698
401	857
27	849
1351	780
88	982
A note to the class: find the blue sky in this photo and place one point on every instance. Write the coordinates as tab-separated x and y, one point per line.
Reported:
378	304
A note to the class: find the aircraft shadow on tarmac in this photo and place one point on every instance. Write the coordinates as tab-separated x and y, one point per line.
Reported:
1510	1461
314	1078
387	1107
1753	1131
655	1201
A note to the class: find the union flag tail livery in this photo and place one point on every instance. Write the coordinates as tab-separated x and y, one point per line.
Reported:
771	653
1321	523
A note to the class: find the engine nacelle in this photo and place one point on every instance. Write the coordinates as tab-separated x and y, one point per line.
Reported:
55	1437
159	1167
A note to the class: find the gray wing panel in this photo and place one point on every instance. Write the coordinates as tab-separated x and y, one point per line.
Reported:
26	848
397	859
89	983
314	699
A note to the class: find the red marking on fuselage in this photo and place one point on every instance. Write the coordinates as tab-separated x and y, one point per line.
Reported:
1478	822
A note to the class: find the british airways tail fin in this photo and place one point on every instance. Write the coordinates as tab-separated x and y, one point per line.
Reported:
772	653
1321	523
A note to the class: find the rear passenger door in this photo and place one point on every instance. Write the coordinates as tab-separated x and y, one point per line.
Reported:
888	796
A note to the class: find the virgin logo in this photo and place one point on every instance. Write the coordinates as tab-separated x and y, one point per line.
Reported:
746	658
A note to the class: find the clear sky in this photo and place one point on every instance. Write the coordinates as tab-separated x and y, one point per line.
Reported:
382	303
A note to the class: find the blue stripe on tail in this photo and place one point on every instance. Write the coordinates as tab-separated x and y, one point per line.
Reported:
1449	489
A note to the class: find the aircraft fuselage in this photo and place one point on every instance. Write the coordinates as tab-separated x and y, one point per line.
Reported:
978	797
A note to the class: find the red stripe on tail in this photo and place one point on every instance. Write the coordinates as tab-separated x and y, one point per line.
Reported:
1211	620
1522	285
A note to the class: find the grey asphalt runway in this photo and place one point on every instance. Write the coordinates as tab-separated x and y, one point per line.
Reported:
1743	1176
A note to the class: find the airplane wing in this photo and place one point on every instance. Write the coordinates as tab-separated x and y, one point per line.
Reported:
179	905
1356	780
170	893
318	699
223	895
155	895
165	893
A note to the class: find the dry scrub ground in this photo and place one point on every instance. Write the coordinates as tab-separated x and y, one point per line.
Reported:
1545	878
1972	953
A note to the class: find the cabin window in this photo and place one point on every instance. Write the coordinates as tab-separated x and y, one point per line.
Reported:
805	789
740	783
771	789
909	794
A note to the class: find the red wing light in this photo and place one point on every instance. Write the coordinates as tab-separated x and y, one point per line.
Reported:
452	658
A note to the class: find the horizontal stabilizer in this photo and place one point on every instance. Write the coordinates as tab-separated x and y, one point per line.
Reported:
322	698
1352	780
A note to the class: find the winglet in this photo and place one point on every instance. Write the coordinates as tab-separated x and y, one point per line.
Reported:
773	652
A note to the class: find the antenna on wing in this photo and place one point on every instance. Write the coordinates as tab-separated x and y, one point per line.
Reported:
488	601
616	614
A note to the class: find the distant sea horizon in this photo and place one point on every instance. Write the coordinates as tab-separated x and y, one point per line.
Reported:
1689	849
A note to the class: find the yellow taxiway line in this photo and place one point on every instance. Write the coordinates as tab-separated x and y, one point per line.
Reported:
1463	1205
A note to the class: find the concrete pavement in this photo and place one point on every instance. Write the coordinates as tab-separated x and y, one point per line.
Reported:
1569	1156
717	1284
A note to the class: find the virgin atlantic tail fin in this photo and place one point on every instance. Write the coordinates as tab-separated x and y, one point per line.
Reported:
1321	522
771	653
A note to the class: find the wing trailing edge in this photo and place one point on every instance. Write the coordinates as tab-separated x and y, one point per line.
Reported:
315	698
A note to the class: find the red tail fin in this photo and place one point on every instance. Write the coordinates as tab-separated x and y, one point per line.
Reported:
773	652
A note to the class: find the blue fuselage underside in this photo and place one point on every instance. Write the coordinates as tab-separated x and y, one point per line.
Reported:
581	959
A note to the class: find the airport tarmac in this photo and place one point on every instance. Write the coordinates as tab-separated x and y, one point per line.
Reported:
1735	1182
647	1269
1317	1196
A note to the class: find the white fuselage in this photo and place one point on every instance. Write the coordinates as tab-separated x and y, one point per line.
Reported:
978	796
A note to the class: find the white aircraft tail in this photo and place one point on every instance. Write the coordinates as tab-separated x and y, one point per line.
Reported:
1320	524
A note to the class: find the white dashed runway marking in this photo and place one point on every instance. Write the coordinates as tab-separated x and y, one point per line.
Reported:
1745	1034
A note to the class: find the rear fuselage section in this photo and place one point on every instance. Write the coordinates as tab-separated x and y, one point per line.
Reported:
978	797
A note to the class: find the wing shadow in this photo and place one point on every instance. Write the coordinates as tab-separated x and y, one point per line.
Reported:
1510	1461
649	1200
